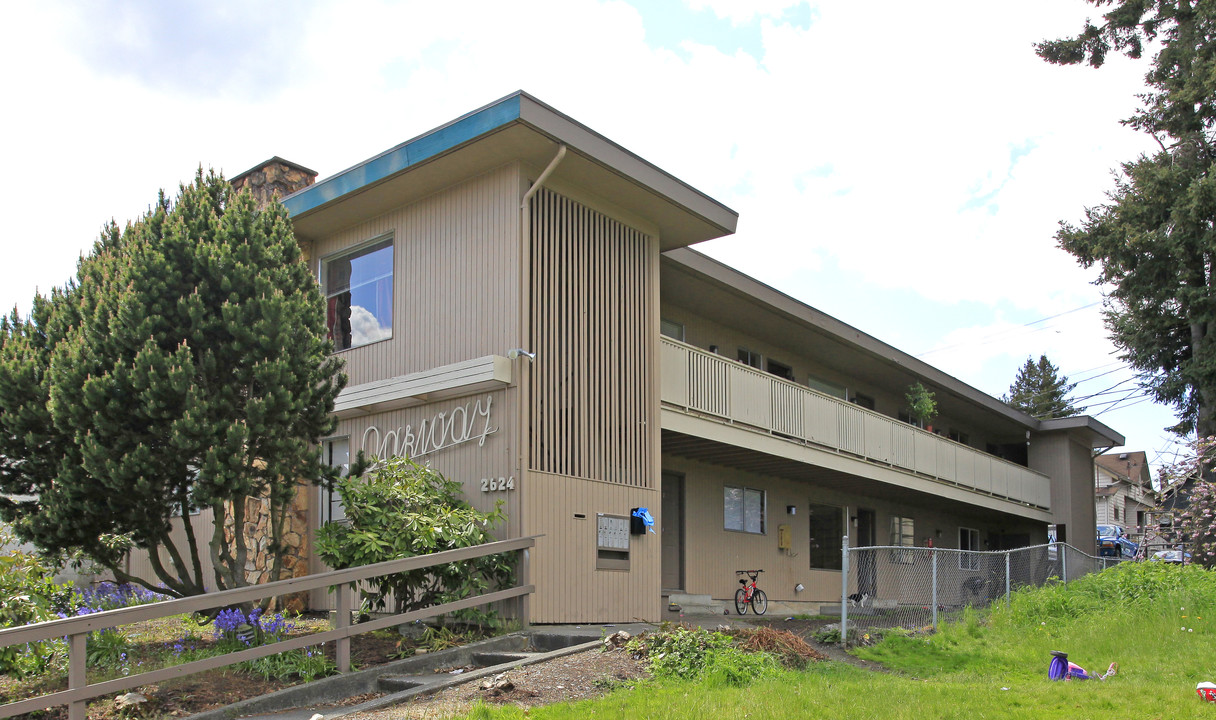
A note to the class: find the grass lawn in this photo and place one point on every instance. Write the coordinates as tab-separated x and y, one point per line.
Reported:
1155	620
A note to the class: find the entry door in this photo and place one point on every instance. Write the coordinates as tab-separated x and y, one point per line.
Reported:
867	576
672	529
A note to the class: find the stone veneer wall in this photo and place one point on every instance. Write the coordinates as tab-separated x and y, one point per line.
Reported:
295	539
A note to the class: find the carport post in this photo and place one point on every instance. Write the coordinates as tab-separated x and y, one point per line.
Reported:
844	590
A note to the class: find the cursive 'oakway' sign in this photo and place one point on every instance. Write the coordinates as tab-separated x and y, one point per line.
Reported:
464	423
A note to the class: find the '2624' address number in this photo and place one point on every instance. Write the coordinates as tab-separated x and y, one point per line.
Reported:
496	484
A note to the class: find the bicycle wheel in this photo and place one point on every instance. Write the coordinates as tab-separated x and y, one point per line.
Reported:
741	601
759	602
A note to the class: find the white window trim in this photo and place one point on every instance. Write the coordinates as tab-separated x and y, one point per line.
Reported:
965	561
898	539
330	497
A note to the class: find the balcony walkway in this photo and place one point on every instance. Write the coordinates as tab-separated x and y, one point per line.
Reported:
708	396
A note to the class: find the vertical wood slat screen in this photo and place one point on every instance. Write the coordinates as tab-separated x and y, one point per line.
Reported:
590	303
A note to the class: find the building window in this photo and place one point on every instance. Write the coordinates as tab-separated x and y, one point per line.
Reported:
359	295
959	436
825	387
968	539
827	528
335	453
672	329
750	357
905	417
902	536
743	509
864	401
780	369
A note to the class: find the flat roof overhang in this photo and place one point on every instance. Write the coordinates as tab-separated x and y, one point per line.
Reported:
1086	429
515	128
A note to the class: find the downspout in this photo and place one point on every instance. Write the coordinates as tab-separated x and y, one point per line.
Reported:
525	311
523	204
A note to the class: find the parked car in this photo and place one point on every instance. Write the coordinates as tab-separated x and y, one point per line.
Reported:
1113	542
1172	556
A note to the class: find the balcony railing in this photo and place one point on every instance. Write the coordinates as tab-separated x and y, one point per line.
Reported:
712	385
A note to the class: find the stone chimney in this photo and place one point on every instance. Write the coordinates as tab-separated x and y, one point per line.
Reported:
276	178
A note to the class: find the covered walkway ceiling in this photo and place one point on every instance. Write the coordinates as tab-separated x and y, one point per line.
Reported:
755	461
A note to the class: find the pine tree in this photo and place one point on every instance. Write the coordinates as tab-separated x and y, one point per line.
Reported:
1154	242
1040	391
185	366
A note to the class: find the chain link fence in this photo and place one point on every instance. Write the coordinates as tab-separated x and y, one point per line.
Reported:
916	587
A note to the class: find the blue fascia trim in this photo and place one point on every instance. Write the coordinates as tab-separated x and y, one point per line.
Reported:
440	140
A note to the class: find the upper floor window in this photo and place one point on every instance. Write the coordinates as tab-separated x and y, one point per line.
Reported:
780	369
672	329
864	401
359	295
959	436
750	357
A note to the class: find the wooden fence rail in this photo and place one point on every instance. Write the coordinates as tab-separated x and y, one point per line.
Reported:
77	629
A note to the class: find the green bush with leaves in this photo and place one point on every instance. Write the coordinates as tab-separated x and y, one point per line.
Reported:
404	509
28	594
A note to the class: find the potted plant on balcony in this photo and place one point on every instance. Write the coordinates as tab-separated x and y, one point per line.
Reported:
922	405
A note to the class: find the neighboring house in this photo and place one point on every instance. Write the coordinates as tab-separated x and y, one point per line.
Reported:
517	304
1123	491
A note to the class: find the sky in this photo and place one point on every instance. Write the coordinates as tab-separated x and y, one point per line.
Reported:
901	166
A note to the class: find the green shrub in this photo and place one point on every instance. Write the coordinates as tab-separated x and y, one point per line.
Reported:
406	509
28	594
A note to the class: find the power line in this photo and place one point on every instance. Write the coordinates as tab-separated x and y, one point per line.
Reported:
988	338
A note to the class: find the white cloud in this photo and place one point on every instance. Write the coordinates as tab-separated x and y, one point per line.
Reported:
928	153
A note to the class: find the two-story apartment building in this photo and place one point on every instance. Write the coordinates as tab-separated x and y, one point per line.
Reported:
517	304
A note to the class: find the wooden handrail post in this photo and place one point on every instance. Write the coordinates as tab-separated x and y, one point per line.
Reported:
342	621
77	654
525	578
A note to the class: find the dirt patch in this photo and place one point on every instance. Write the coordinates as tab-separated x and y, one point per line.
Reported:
584	675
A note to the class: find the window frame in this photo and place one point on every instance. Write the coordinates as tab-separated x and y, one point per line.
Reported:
763	495
330	498
666	324
750	358
835	561
899	540
965	560
387	239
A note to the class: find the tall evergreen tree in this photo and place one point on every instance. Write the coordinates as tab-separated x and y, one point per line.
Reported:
185	366
1041	391
1154	242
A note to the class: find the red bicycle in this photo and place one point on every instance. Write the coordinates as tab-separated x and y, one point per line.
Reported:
749	594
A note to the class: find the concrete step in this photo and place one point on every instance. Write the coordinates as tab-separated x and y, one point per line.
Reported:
686	604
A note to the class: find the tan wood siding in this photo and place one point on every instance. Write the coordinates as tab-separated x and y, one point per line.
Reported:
455	277
569	587
592	304
713	573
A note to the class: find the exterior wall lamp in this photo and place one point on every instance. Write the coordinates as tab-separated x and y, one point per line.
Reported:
514	353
